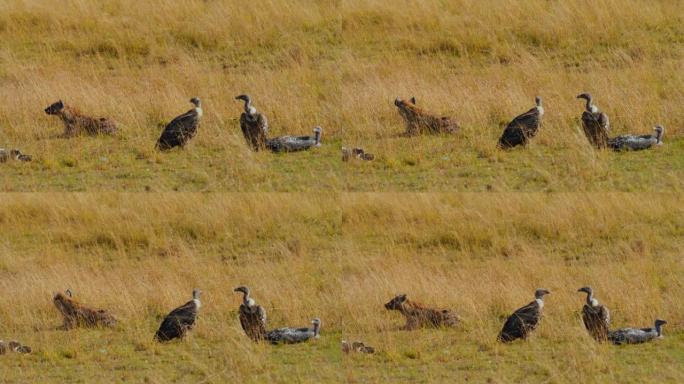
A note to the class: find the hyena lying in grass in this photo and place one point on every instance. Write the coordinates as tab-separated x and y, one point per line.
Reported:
418	316
77	315
420	121
76	123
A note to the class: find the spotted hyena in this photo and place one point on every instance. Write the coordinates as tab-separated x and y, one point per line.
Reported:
418	315
76	123
420	121
77	315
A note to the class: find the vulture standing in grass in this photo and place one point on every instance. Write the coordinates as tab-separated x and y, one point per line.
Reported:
180	130
523	127
523	321
637	142
254	125
596	317
294	335
595	123
637	335
180	320
252	316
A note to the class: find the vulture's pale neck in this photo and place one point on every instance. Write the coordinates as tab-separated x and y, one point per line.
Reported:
590	299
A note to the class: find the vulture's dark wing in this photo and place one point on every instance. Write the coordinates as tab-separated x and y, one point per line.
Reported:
520	129
254	129
521	323
596	320
176	323
596	128
179	131
253	321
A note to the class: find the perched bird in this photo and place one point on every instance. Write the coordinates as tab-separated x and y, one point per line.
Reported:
180	320
356	346
596	317
637	335
523	127
295	143
254	125
637	142
294	335
181	129
525	320
595	123
252	316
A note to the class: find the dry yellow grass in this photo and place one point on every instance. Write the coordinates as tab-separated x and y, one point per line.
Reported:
325	252
340	258
339	64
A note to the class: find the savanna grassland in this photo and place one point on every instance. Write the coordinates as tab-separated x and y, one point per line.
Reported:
340	64
340	257
449	220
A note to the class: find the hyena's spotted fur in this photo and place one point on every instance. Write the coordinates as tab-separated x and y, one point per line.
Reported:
418	316
419	121
77	315
76	123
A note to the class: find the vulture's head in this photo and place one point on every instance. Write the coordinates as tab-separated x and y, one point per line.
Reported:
660	131
538	101
659	323
196	294
585	96
244	98
196	102
586	290
540	293
242	289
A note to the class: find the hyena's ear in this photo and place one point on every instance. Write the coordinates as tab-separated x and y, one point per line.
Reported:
413	100
402	298
69	293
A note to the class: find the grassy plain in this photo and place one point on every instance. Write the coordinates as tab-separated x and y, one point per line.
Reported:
615	221
340	257
340	64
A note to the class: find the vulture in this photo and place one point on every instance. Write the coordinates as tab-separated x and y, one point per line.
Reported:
180	130
523	321
637	335
596	317
637	142
524	127
295	143
294	335
252	316
180	320
254	125
595	123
